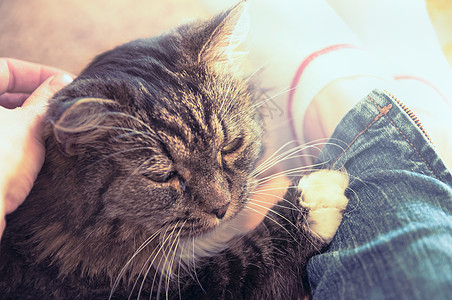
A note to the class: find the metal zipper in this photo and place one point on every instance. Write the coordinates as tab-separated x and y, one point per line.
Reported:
411	114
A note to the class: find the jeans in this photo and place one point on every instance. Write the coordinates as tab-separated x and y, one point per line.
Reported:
395	239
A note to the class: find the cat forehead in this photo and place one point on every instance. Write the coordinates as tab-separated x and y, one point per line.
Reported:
185	136
202	109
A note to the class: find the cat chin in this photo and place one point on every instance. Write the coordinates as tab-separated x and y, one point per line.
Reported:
207	244
211	241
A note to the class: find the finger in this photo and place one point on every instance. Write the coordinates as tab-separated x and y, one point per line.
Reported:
18	76
2	225
38	100
12	101
2	214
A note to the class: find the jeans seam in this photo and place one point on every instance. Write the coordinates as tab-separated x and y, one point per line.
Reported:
406	138
382	111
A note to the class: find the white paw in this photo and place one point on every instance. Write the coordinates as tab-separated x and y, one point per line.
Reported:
323	193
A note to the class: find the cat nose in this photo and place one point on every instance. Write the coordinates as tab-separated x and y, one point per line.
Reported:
221	211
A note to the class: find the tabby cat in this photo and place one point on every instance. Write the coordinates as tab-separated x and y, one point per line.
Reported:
151	156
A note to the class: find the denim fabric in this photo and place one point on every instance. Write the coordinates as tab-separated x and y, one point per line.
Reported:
395	240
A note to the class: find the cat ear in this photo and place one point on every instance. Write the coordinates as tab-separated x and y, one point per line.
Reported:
230	30
81	123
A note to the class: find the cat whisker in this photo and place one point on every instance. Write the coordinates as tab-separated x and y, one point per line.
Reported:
300	170
124	268
274	96
278	205
270	218
174	250
283	174
292	153
248	78
162	247
273	211
163	270
351	209
271	158
167	268
259	104
276	163
289	154
144	266
257	70
252	107
306	237
263	188
178	272
194	265
278	197
294	172
262	192
276	158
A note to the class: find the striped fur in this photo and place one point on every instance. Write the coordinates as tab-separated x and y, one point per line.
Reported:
151	151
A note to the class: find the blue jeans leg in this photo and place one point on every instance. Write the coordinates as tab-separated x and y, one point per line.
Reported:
395	240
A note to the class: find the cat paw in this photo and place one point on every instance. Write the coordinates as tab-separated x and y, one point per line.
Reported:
322	192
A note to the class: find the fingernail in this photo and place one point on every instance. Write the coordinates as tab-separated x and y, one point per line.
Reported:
61	80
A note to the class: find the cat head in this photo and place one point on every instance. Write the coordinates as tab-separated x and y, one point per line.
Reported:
161	134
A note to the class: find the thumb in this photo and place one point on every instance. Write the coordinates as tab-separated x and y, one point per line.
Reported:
29	154
39	98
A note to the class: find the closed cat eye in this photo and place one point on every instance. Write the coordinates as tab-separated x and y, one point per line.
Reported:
160	177
233	146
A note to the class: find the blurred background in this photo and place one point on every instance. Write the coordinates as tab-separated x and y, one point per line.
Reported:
68	34
441	14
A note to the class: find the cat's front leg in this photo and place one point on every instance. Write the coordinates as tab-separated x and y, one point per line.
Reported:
322	193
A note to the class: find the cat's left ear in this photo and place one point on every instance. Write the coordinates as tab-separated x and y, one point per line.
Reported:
82	123
230	29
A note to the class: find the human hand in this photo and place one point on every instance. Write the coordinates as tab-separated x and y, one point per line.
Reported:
260	202
25	89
